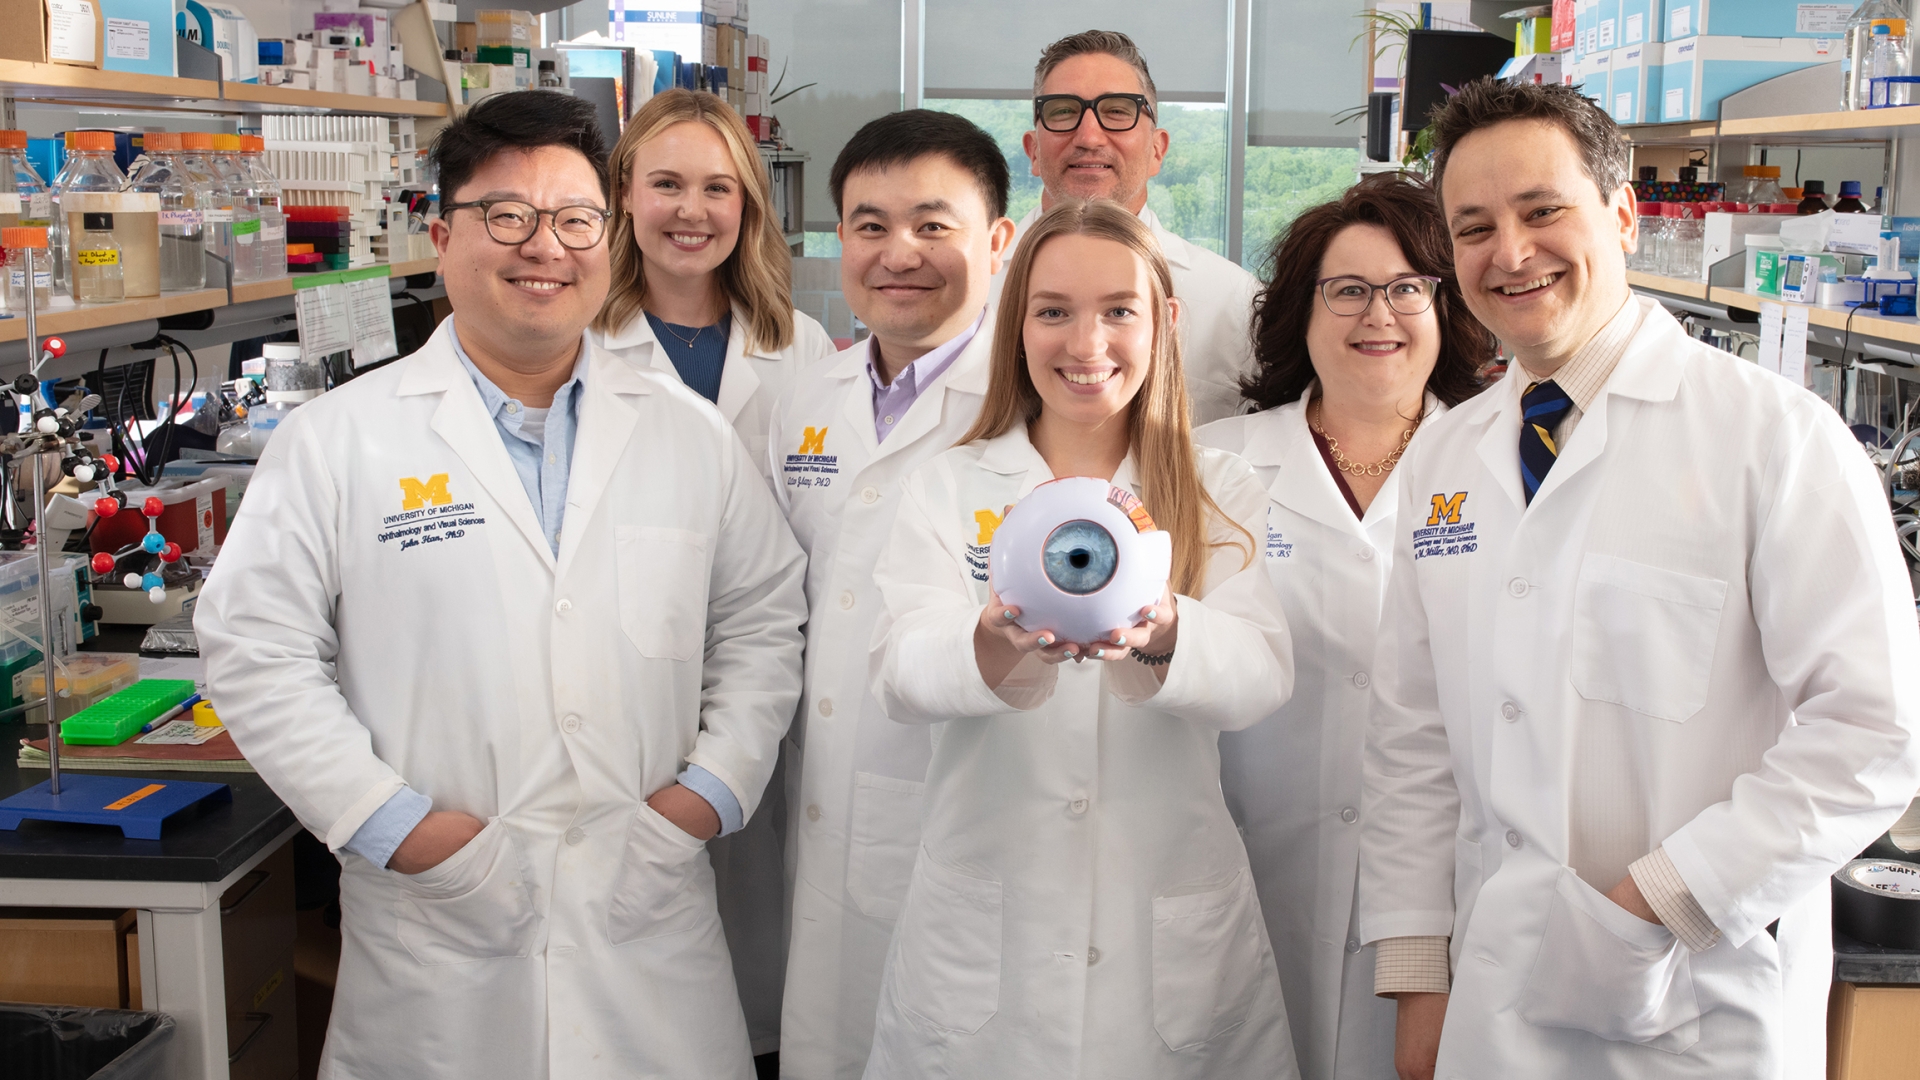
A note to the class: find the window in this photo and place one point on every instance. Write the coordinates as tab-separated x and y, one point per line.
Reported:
1281	182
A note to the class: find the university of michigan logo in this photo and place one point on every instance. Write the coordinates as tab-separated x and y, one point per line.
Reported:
1446	509
989	523
433	492
811	466
1445	533
813	441
986	523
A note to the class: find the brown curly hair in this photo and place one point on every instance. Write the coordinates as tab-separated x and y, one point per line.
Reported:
1406	207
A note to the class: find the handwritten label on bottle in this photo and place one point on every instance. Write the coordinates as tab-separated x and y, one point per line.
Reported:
180	218
97	257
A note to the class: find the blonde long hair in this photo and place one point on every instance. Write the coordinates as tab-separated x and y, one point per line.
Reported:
1159	432
758	275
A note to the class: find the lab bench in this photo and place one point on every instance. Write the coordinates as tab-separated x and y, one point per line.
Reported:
222	875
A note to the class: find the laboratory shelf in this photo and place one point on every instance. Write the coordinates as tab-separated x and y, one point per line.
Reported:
67	320
274	98
1904	329
1695	290
1866	125
1665	134
417	266
59	84
283	286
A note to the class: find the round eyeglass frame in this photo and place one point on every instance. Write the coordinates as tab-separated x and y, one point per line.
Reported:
485	206
1433	290
1142	107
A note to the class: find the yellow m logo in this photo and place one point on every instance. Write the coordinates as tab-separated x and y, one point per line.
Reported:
414	494
988	522
813	441
1447	509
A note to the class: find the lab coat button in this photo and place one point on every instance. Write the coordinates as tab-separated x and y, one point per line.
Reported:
869	495
1360	679
1353	945
846	600
571	724
826	706
1078	805
575	835
813	811
1509	711
563	606
1518	587
1349	815
1365	554
1513	838
1093	956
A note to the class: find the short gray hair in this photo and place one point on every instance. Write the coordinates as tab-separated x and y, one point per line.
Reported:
1107	42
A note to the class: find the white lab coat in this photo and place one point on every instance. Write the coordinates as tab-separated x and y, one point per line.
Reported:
1706	593
747	866
855	792
750	382
576	936
1081	904
1216	300
1292	781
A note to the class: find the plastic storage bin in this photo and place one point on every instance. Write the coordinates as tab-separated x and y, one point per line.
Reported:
66	1042
80	681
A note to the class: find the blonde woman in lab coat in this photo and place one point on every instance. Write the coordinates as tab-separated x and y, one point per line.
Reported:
1361	336
1081	905
701	292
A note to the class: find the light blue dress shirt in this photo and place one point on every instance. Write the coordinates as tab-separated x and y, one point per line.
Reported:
540	444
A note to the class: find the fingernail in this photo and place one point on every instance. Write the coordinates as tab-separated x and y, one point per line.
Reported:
1045	641
1098	653
1009	614
1119	637
1151	614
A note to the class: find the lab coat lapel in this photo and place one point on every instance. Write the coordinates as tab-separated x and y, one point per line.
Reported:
1499	446
606	425
966	375
461	419
1301	482
738	379
856	408
1649	370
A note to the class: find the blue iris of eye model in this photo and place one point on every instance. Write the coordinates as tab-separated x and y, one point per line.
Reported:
1079	557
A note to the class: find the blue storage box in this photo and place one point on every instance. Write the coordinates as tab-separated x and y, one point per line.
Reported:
139	36
1639	22
1634	84
1752	18
1697	72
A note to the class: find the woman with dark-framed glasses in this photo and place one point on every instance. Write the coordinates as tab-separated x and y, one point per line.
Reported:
1361	337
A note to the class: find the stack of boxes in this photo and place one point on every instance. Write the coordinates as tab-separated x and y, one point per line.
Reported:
348	52
1667	61
731	61
339	166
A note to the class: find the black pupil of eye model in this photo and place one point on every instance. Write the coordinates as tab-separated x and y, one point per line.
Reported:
1080	557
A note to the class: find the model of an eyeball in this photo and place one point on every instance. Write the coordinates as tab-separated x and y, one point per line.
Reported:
1080	558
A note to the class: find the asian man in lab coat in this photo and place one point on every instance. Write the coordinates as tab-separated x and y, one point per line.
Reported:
1648	670
922	198
514	626
1096	136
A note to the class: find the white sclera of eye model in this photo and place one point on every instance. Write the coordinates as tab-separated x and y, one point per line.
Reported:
1075	563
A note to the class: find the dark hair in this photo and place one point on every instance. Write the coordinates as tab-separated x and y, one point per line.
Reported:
524	120
898	138
1105	43
1486	102
1404	206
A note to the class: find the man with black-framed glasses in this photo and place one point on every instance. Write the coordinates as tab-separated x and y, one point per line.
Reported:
514	627
1096	136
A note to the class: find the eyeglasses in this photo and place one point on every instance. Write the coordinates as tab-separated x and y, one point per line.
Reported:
1116	112
1408	295
576	227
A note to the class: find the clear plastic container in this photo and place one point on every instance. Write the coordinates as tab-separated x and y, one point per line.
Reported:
1856	66
99	276
1643	258
57	228
1890	60
210	193
90	171
183	259
1767	190
13	291
79	680
504	27
23	195
245	228
1686	244
273	219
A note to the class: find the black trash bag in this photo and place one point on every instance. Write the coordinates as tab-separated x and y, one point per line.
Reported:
68	1042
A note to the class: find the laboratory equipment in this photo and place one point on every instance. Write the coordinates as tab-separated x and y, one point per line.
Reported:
98	276
1766	189
23	195
1079	558
12	240
1856	63
90	174
268	199
244	230
1813	197
183	260
1849	201
211	194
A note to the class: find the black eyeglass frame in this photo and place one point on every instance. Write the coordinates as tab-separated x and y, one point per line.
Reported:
552	217
1320	286
1144	106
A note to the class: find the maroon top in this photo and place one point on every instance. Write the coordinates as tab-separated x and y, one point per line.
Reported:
1339	478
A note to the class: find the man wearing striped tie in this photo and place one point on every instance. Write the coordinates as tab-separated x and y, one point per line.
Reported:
1648	671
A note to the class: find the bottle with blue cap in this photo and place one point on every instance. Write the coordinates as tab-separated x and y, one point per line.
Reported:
1849	201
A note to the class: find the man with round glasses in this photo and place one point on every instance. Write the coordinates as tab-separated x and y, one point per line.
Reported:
514	627
1095	136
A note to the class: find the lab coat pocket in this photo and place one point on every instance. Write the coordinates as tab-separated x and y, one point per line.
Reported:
477	904
658	890
946	962
885	838
1606	971
663	590
1208	959
1644	637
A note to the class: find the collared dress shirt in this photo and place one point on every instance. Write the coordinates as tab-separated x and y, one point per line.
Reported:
891	400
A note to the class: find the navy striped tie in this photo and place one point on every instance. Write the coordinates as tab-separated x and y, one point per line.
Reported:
1543	406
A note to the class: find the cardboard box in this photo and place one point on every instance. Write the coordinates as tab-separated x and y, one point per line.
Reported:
1697	72
1639	22
1871	1032
1563	22
1753	18
68	32
229	34
1590	75
139	36
1633	93
65	956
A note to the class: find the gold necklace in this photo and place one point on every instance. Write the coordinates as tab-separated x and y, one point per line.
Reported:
1379	468
688	342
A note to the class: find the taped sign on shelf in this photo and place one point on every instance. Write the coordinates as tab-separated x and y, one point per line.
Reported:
346	311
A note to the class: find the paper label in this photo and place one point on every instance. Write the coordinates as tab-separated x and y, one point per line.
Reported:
39	207
1676	105
219	215
180	218
1772	317
42	279
246	229
1679	22
1823	47
273	232
179	733
70	31
128	39
1793	346
1606	33
97	257
9	202
1636	28
1821	18
1623	108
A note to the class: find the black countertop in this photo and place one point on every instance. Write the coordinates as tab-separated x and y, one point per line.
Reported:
204	843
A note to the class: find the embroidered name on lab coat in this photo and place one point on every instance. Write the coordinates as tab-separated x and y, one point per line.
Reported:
981	550
811	465
428	514
1445	533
